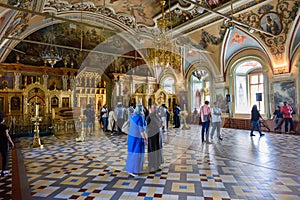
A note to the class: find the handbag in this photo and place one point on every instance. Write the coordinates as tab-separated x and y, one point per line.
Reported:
206	118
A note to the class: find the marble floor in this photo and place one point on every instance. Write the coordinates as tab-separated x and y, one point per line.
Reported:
239	167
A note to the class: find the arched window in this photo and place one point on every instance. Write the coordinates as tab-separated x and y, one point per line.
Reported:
168	84
248	83
200	86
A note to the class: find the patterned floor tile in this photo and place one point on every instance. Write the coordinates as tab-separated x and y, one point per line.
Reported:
239	167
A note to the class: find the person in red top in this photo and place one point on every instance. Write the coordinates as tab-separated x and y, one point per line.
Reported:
205	117
287	110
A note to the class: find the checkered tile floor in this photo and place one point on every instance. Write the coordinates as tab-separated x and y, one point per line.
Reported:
239	167
6	182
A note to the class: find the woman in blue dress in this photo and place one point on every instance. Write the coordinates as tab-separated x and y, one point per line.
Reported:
137	139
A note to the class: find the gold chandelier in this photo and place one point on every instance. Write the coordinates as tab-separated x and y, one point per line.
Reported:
165	52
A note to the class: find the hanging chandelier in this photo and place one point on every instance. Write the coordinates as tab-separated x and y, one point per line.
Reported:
51	54
200	74
165	52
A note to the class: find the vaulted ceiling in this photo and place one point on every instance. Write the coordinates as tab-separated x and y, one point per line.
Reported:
120	31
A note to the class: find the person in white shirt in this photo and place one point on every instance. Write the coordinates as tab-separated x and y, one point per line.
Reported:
111	121
104	117
216	121
120	115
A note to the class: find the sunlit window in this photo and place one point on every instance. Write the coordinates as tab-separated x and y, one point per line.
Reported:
256	86
197	93
200	89
248	82
169	85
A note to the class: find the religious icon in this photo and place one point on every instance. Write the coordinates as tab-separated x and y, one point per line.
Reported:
65	102
54	102
15	103
271	23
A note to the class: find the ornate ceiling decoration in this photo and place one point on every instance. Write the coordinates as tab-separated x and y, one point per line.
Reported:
276	20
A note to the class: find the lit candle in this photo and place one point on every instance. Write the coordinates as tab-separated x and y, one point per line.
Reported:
37	109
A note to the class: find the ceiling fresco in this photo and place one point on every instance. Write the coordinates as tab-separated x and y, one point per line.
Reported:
78	44
275	19
136	13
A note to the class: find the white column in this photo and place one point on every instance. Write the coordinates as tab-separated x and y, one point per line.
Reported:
117	88
72	81
65	82
45	80
121	88
17	80
36	109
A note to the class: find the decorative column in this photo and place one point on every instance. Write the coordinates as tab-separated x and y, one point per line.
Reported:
17	80
132	86
298	93
89	80
267	102
72	81
78	81
36	121
117	89
96	81
121	88
65	82
230	90
45	80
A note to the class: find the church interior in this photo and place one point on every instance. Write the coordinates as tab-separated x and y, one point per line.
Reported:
58	56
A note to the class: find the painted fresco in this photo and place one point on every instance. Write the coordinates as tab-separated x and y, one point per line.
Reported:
70	36
285	91
221	99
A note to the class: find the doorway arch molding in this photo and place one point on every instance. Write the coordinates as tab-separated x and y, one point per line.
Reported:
197	65
266	74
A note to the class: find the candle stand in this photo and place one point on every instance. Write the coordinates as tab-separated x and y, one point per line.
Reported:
36	122
184	114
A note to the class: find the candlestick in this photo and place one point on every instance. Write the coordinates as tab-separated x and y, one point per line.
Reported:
36	109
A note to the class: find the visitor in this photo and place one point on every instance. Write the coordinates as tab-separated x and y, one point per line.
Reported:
216	121
205	114
136	141
104	117
163	115
5	144
120	115
176	112
278	119
155	156
255	116
89	119
287	111
111	121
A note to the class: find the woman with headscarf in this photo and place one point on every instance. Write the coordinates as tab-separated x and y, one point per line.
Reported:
137	139
155	155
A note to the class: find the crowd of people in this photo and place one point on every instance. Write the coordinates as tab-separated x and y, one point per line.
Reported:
283	114
145	128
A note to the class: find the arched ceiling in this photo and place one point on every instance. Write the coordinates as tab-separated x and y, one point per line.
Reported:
80	26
